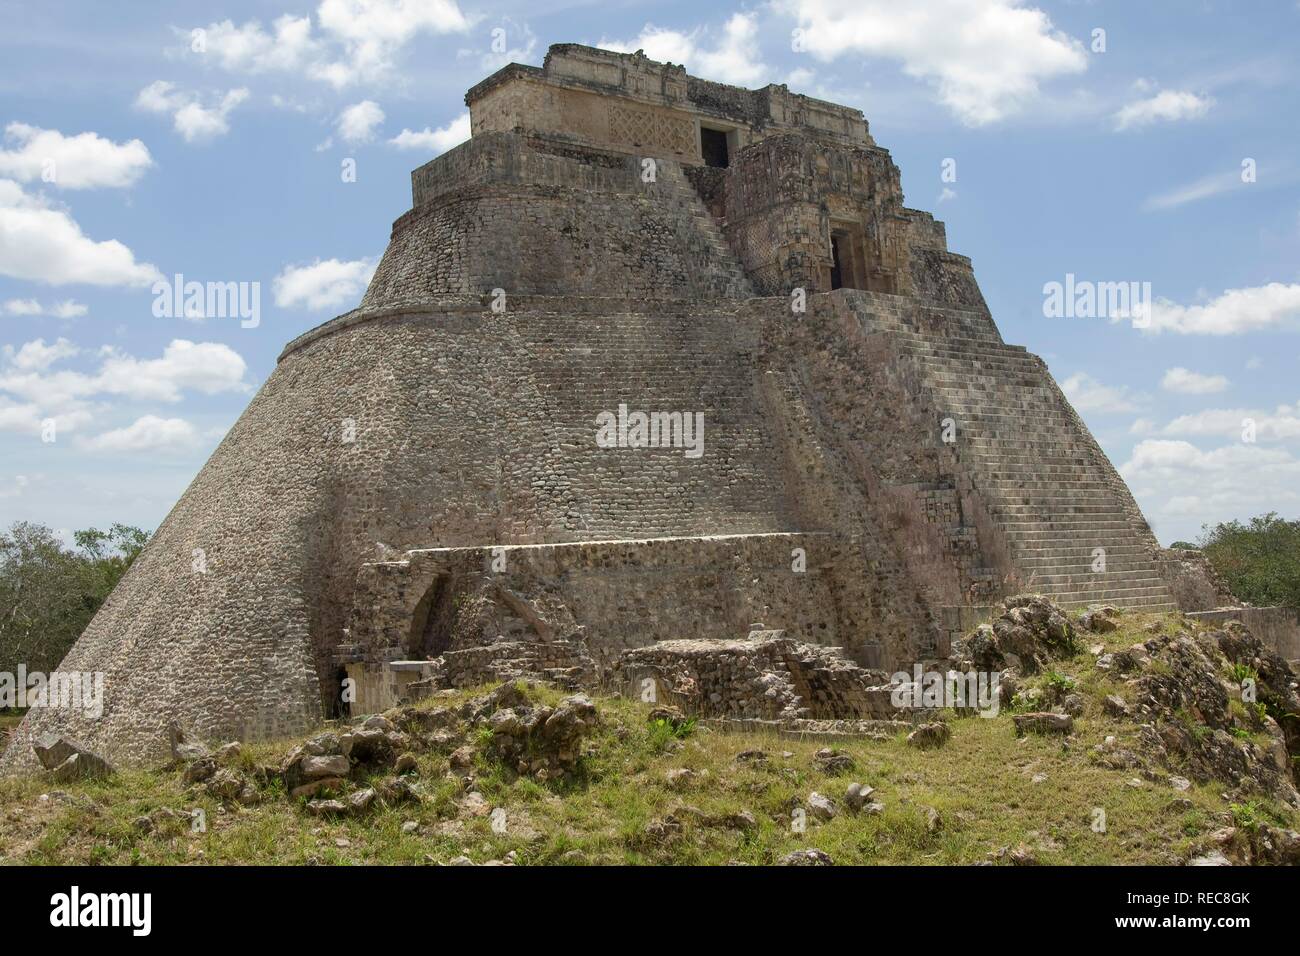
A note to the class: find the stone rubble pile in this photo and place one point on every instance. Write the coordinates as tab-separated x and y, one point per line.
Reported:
67	760
1028	633
1189	707
765	677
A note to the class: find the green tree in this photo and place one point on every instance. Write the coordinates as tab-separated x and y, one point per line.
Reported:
49	593
1260	560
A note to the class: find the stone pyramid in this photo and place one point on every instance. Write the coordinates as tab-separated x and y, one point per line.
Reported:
649	358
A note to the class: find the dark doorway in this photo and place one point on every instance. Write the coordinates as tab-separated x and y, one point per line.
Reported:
433	620
837	275
713	146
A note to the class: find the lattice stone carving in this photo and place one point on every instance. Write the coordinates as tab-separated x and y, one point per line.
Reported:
651	128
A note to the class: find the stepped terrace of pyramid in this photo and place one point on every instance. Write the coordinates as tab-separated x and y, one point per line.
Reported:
650	358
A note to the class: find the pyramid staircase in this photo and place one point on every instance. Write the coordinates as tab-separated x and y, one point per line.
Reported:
1049	488
699	233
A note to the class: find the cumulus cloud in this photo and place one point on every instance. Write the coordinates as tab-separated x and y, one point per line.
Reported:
436	141
734	57
1186	382
148	433
985	58
32	390
84	161
29	418
1087	394
351	41
206	367
1271	306
1281	424
1167	106
66	309
250	48
42	243
327	283
195	121
35	356
358	122
1181	485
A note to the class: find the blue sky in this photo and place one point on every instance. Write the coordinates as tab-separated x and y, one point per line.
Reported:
135	148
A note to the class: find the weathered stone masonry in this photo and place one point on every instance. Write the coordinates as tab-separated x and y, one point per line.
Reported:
826	503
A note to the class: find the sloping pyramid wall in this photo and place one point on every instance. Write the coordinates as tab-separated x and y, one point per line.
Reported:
431	419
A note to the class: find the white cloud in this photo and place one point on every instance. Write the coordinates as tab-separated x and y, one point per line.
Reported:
801	77
1281	424
66	309
358	122
1142	426
1186	382
1181	485
148	433
195	122
84	161
520	35
288	46
436	141
42	243
28	418
372	31
205	367
1202	188
1167	106
1235	311
1087	394
357	40
323	284
985	58
36	355
735	58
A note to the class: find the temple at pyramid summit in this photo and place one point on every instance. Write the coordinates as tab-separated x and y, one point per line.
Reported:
649	359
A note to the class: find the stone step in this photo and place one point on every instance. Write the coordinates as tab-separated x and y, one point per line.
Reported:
1116	555
1007	486
1109	578
1061	508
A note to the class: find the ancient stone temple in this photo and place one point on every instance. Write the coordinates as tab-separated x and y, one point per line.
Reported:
650	358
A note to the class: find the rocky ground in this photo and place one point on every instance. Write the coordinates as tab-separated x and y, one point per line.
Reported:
1123	738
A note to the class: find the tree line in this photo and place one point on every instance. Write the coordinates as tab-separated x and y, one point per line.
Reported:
49	591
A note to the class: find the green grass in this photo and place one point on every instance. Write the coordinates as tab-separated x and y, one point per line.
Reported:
981	783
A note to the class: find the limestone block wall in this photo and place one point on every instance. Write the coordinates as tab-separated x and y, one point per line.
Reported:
470	428
630	103
1277	627
1195	584
785	194
861	442
633	593
531	220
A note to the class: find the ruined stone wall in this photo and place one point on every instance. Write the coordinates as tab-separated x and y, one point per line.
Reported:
1277	627
1194	582
627	594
